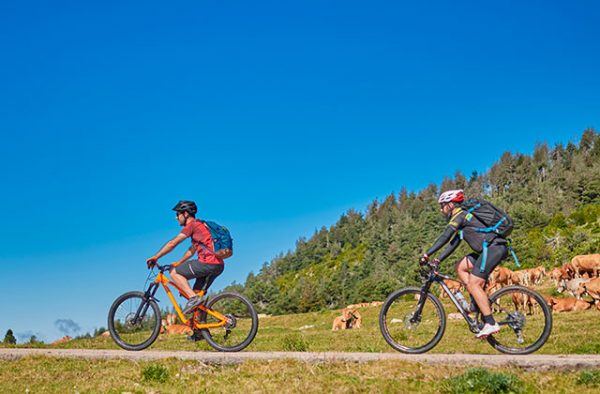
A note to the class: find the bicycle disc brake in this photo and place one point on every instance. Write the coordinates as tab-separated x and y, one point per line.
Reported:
411	322
516	321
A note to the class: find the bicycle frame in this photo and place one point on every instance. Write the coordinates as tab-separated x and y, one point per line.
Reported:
436	277
162	279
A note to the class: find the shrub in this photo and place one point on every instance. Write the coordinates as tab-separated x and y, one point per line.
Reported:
480	380
156	373
294	343
589	378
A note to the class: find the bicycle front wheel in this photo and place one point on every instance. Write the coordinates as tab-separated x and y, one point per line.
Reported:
241	326
524	318
134	321
405	328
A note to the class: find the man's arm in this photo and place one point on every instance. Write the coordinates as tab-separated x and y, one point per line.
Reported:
188	253
456	223
168	247
442	240
450	248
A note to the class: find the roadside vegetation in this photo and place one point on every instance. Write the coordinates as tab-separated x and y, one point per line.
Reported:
40	374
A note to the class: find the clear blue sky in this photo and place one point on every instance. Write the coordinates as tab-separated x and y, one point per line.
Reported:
275	117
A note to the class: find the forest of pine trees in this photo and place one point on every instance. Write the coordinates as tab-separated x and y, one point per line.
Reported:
553	195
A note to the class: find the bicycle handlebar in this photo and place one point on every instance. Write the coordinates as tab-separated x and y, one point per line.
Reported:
163	268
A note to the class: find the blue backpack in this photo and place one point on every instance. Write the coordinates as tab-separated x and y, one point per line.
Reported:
222	241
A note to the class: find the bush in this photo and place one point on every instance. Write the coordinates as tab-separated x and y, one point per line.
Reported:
589	378
294	343
480	380
156	373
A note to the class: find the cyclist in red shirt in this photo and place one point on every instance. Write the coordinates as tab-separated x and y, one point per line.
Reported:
205	269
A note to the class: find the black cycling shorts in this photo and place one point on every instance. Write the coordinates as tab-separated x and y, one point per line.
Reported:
204	273
495	254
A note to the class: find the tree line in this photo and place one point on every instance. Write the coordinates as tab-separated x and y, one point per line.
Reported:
553	195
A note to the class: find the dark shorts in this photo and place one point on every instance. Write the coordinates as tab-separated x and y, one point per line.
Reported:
204	273
495	254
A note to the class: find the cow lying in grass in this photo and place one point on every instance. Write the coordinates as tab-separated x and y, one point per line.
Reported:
349	319
568	304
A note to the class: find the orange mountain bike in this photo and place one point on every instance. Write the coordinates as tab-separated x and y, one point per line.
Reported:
228	322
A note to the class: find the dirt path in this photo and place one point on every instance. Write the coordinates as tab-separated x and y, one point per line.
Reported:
539	361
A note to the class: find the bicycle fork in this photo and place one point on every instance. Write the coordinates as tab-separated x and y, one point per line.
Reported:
143	308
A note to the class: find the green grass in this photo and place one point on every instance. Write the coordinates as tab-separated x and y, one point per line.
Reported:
53	375
482	380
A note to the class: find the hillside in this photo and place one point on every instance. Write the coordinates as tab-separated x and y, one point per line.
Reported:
553	195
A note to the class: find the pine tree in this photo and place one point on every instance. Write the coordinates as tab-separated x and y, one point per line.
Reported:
9	338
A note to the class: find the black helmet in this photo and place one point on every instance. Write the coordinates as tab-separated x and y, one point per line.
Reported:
186	206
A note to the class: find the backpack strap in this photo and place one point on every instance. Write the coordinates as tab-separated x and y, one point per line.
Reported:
484	256
512	252
492	229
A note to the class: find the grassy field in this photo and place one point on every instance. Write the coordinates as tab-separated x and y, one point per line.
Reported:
573	333
41	374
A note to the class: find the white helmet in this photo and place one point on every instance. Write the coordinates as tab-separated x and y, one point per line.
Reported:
452	196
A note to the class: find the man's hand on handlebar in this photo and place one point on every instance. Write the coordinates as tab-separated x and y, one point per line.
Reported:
151	262
424	260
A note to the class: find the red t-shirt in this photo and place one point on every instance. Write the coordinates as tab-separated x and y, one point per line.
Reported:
202	241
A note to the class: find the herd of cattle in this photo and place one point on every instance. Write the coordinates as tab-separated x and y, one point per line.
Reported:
580	278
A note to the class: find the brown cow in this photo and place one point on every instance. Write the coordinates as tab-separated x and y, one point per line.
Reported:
536	275
586	263
592	288
521	277
349	319
354	319
178	329
500	277
568	304
523	301
453	285
339	323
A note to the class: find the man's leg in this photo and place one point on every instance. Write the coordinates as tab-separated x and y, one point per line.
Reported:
475	286
180	275
463	269
182	282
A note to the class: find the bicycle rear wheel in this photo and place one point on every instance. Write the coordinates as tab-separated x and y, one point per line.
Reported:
241	327
524	317
404	329
134	321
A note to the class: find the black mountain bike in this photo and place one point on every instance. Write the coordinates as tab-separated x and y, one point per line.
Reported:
413	320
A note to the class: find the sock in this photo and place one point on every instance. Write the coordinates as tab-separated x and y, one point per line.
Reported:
489	319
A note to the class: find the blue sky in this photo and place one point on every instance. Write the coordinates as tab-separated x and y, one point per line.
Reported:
274	116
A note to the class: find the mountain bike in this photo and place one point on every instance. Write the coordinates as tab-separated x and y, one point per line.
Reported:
413	320
228	321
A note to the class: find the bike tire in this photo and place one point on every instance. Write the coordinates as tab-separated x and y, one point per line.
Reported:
385	331
253	329
547	321
111	321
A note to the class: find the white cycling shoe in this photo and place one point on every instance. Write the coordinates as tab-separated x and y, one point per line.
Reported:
487	330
